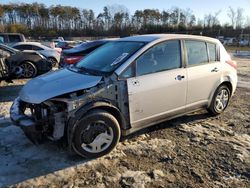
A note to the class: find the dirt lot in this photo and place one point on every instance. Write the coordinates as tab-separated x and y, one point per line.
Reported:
192	151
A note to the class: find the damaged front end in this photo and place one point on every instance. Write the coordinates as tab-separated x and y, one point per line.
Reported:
40	120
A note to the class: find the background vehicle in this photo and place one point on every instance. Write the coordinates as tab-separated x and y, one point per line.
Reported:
51	54
29	63
11	38
75	54
244	42
124	86
64	45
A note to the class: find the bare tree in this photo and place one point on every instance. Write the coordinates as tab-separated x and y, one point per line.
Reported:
239	18
211	20
232	15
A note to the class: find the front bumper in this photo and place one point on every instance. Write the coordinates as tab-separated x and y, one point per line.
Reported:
26	123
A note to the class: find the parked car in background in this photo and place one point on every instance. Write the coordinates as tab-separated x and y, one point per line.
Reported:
75	54
244	42
64	45
124	86
51	54
230	41
11	38
26	64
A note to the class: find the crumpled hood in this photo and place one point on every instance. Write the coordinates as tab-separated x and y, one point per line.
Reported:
56	83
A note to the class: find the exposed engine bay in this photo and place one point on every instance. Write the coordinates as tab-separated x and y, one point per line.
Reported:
39	120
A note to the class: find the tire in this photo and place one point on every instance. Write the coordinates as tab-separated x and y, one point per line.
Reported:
96	134
29	69
53	61
220	100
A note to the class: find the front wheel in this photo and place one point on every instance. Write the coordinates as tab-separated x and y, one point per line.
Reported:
220	100
96	134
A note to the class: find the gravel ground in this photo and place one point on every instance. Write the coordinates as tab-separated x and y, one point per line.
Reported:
192	151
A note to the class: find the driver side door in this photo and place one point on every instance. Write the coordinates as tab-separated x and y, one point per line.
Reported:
159	87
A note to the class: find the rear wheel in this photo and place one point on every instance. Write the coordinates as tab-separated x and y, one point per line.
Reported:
53	61
96	134
220	100
29	70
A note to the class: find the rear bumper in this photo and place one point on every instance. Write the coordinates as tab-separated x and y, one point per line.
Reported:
44	66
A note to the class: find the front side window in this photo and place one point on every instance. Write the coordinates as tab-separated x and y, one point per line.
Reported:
196	52
109	56
162	57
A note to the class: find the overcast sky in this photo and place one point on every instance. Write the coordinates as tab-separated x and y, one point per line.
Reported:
199	7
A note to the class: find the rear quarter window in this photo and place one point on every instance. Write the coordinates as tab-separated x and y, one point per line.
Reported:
36	48
212	51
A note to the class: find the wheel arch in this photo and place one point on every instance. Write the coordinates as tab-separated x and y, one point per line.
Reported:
52	57
96	105
224	81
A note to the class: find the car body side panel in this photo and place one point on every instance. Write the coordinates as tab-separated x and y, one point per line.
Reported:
154	95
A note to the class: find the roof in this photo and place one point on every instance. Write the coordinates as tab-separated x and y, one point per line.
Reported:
32	43
152	37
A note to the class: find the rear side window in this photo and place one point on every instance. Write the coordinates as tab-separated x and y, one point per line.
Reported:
162	57
196	52
23	47
212	51
14	38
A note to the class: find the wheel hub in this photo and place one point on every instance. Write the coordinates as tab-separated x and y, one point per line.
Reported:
221	100
97	137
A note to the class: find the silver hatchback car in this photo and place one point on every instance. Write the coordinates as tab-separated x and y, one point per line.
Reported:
124	86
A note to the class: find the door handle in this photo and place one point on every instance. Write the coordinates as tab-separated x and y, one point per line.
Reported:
215	69
179	77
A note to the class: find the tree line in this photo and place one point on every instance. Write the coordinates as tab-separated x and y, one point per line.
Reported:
39	20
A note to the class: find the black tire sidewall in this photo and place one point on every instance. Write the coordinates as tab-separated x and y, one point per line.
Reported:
85	121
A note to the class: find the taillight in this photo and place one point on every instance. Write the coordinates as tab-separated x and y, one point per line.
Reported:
232	63
72	60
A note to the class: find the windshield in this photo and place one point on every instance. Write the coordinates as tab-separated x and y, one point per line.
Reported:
108	57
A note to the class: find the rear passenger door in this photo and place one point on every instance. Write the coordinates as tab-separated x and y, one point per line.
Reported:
159	87
203	71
